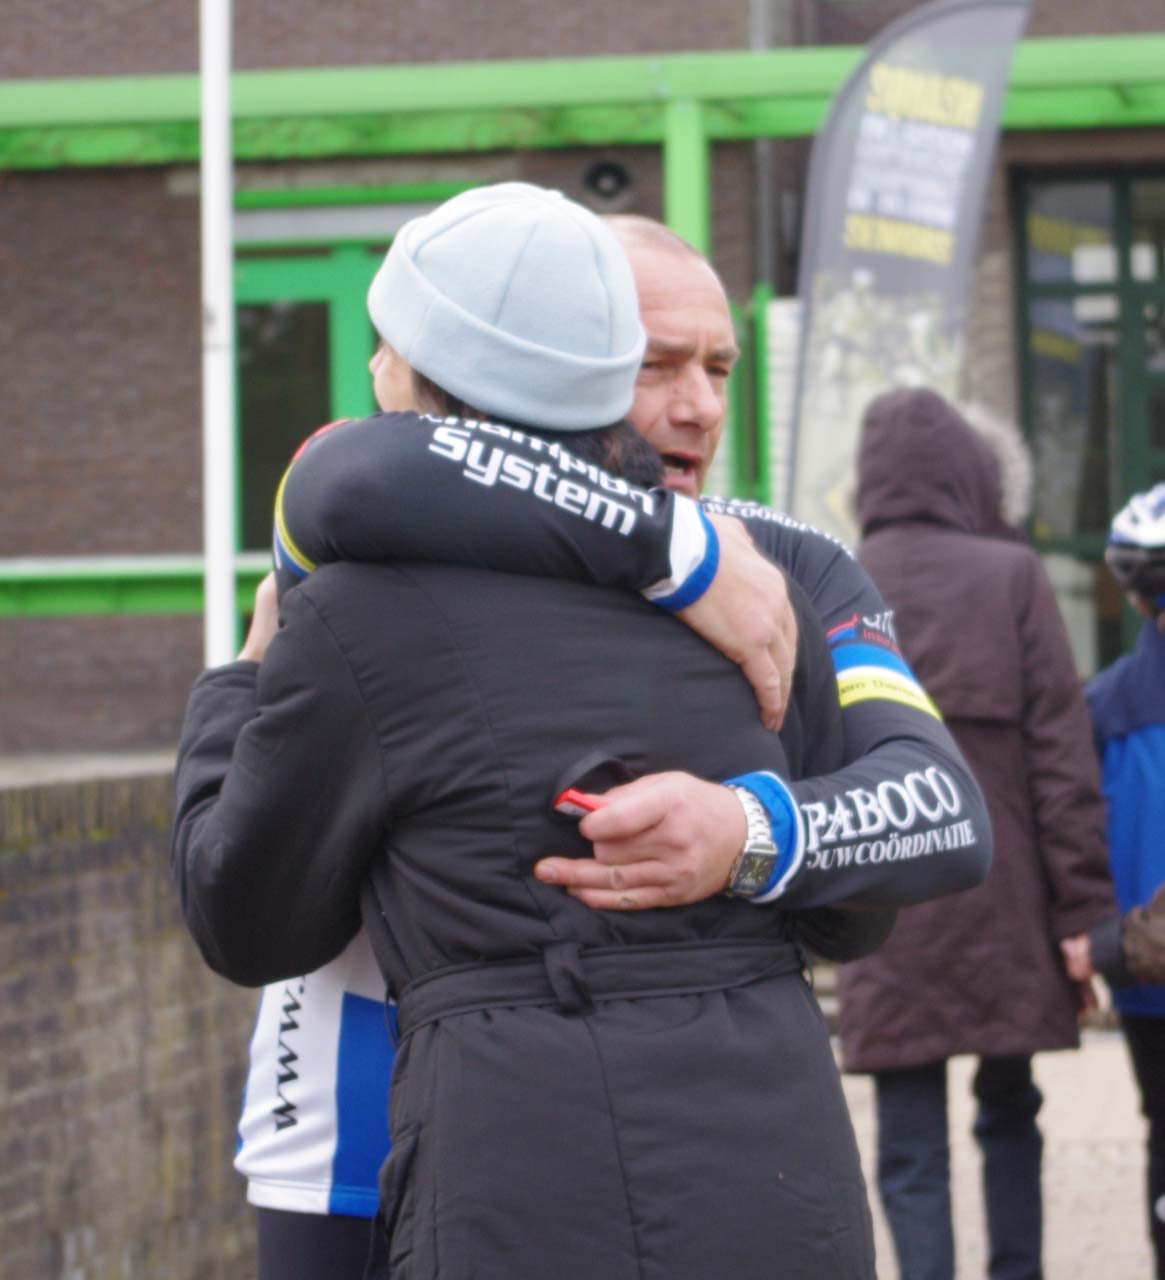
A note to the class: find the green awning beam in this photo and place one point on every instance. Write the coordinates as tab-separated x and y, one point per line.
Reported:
1056	83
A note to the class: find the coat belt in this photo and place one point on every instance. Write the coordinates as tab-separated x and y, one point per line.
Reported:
575	981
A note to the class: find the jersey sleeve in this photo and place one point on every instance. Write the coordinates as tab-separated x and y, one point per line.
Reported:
264	751
903	820
407	487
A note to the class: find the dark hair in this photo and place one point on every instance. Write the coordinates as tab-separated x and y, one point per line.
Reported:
617	448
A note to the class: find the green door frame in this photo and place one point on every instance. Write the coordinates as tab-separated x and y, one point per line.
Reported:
339	276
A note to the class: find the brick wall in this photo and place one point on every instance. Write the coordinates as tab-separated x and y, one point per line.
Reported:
100	364
121	1055
109	37
847	22
95	684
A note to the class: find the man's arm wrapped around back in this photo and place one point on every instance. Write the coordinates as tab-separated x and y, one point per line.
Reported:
400	486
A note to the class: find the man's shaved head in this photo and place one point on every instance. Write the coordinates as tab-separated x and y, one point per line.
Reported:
635	231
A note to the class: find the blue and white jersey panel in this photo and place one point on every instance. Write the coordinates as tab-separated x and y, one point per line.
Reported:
314	1127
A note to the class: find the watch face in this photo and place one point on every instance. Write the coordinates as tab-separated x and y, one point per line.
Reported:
755	869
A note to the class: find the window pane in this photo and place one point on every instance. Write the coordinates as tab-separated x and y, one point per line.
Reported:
1075	583
284	395
1069	233
1072	371
1148	243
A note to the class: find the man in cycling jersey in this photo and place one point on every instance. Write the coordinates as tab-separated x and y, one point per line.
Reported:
662	839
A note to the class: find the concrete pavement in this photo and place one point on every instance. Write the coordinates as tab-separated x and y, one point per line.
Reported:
1094	1161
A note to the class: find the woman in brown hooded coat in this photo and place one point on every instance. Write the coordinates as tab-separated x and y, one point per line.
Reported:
979	972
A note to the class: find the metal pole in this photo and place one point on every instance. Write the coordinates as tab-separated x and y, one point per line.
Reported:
219	538
760	39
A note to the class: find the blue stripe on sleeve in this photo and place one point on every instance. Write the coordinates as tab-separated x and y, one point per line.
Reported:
846	656
284	560
700	579
780	806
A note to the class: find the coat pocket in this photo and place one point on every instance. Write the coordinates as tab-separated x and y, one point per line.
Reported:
391	1254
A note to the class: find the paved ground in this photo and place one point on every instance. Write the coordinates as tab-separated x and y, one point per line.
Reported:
1094	1222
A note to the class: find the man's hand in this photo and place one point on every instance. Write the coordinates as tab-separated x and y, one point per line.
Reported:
264	621
660	841
746	614
1077	953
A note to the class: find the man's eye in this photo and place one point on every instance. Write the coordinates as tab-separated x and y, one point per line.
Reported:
719	371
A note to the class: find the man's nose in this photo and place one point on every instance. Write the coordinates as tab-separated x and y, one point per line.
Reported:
697	401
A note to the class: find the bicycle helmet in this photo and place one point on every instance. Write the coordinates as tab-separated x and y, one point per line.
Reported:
1136	546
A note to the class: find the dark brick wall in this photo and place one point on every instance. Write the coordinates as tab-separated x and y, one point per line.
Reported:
856	21
95	684
121	1056
126	37
100	365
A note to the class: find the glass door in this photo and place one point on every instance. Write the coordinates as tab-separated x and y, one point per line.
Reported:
1092	320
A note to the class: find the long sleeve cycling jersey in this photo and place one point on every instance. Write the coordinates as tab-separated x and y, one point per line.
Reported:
901	822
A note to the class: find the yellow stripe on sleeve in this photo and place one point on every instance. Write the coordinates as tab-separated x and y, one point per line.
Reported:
860	684
285	538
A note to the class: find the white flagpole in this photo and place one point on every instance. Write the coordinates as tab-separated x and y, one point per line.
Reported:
218	335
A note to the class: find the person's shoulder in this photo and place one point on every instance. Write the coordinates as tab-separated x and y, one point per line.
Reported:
1111	675
341	577
347	595
1004	555
1015	567
817	559
769	524
1127	694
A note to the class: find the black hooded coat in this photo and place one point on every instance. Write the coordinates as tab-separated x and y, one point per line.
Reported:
578	1094
980	971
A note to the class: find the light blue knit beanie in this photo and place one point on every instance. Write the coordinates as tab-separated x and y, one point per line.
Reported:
517	301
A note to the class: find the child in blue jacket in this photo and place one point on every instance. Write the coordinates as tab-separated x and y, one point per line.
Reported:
1127	704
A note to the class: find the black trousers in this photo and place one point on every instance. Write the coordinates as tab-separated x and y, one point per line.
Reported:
312	1246
914	1167
1146	1041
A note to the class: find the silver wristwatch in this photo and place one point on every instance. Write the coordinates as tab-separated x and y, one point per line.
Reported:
754	864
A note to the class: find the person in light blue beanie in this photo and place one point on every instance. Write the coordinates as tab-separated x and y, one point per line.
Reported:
439	712
517	302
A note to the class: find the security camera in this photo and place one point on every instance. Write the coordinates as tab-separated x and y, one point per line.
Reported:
608	186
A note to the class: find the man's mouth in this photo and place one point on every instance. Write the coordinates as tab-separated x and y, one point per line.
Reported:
677	467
